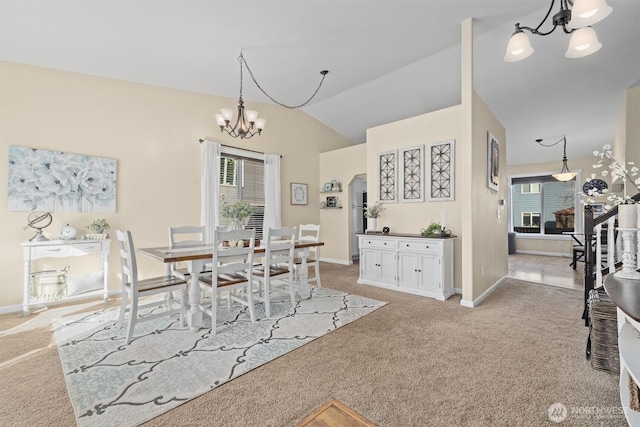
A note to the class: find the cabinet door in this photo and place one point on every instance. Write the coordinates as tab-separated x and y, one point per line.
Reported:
388	267
369	264
431	272
408	274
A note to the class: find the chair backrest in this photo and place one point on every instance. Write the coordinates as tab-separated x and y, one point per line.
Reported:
194	235
279	247
310	233
233	259
127	258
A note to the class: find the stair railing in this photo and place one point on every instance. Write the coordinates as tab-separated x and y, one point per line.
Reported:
594	273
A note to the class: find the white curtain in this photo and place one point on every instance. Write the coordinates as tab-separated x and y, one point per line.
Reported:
272	212
210	188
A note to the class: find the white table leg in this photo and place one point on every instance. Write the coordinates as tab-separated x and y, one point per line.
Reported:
303	273
194	316
26	287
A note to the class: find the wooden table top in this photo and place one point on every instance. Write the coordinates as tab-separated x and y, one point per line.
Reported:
625	293
197	252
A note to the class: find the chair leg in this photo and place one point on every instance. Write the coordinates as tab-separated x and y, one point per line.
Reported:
133	315
291	292
252	311
183	308
214	309
267	303
123	306
316	271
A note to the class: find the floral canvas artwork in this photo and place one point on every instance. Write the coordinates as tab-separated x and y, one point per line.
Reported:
60	182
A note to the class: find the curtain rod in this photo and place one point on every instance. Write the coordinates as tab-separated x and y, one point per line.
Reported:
245	149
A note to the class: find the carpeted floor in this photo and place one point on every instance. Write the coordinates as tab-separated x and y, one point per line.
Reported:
414	362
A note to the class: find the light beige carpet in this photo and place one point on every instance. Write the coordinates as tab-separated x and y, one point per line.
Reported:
414	362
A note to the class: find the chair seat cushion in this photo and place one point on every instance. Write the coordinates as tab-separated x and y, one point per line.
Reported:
273	271
223	279
159	282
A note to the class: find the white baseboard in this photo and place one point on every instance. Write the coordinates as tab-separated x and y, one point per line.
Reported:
10	309
15	308
559	254
336	261
485	294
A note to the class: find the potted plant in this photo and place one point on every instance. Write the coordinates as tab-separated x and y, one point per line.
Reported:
434	229
99	226
373	213
237	212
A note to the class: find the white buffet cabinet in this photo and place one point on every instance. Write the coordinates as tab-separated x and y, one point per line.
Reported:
59	249
408	263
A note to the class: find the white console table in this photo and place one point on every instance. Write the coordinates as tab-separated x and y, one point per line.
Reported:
408	263
625	293
59	249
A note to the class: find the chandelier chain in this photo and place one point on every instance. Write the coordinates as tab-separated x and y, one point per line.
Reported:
539	141
242	60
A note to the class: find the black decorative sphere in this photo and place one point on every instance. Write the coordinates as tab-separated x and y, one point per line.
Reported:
385	230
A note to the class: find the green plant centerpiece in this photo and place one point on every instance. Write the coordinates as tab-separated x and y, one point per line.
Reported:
99	226
237	212
375	210
434	229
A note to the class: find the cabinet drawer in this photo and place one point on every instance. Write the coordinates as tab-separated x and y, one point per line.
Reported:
378	243
44	251
426	246
85	248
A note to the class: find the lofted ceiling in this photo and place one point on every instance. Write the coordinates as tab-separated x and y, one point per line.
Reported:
388	59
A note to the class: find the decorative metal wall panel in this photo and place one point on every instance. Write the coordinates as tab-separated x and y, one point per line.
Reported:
412	178
441	171
387	176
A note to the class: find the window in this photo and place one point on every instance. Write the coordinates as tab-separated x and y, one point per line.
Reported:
531	219
228	167
242	180
542	205
533	187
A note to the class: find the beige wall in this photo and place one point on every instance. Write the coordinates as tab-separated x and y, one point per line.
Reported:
343	164
153	134
489	220
441	125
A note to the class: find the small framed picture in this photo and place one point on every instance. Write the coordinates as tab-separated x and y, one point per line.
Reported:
493	162
331	202
298	194
327	187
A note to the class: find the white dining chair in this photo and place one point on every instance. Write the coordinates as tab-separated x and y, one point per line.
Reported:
136	289
186	235
232	268
309	233
276	273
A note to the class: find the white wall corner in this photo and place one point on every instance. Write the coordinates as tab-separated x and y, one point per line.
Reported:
485	294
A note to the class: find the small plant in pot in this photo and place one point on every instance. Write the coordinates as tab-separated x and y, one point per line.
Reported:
434	229
99	226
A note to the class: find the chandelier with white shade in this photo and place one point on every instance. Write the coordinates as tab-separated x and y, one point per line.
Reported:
247	122
575	17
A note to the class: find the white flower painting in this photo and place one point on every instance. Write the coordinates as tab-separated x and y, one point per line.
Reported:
60	182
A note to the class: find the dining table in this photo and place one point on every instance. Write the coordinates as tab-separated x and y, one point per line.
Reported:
196	256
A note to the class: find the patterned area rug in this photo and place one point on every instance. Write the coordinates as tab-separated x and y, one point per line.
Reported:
111	383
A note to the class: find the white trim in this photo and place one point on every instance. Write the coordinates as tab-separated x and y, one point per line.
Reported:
16	308
558	254
241	153
485	294
336	261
